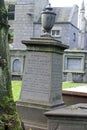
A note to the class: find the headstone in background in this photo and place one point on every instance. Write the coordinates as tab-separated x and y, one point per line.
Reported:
69	77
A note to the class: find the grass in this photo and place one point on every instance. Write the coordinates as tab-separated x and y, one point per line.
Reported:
71	84
16	87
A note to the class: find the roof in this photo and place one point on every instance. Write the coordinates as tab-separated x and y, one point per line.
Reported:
62	14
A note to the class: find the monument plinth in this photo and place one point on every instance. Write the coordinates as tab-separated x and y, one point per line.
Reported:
42	80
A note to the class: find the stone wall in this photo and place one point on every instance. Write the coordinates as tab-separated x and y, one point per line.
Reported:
77	70
23	28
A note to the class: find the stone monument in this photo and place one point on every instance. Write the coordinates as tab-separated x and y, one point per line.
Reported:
75	59
42	79
73	117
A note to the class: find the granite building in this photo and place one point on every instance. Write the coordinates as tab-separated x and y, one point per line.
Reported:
75	59
25	22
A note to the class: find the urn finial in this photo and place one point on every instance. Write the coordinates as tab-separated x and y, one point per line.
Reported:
48	19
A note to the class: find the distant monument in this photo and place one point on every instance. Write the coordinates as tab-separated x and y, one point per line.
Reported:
42	79
75	60
8	115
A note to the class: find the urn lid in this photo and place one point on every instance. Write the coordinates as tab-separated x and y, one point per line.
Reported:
48	9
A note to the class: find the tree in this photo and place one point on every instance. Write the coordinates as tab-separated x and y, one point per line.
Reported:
9	119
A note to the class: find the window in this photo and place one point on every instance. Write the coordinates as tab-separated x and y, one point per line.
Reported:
74	37
16	66
11	12
55	33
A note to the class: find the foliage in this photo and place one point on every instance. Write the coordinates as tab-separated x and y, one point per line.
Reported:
3	16
8	115
3	13
9	119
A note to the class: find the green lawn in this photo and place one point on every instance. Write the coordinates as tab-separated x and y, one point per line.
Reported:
71	84
16	87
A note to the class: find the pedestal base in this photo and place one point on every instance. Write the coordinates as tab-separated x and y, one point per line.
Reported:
32	115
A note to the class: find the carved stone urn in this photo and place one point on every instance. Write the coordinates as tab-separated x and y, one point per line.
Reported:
47	19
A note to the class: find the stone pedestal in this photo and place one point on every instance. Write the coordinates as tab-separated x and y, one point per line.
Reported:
69	118
42	81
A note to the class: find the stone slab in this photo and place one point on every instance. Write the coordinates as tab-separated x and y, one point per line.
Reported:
79	89
69	118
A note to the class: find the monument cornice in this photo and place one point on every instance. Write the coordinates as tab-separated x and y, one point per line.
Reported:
45	44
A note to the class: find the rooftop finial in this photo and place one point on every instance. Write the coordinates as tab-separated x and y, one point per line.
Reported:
82	5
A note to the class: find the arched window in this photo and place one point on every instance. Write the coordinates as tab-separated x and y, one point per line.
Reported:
16	66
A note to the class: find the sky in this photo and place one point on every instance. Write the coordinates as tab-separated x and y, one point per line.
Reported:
68	3
63	3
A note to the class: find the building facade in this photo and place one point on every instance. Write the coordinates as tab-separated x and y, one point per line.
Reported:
75	60
25	22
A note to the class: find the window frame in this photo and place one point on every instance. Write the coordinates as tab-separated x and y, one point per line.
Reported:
56	29
11	12
72	56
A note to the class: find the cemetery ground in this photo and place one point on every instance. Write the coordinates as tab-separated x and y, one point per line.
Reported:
16	87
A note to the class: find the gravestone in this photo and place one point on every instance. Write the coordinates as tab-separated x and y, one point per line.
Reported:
69	77
75	62
42	81
73	117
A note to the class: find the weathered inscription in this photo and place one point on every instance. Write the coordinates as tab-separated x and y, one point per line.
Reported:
37	76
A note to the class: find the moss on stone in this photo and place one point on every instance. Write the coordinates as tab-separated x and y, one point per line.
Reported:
9	119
